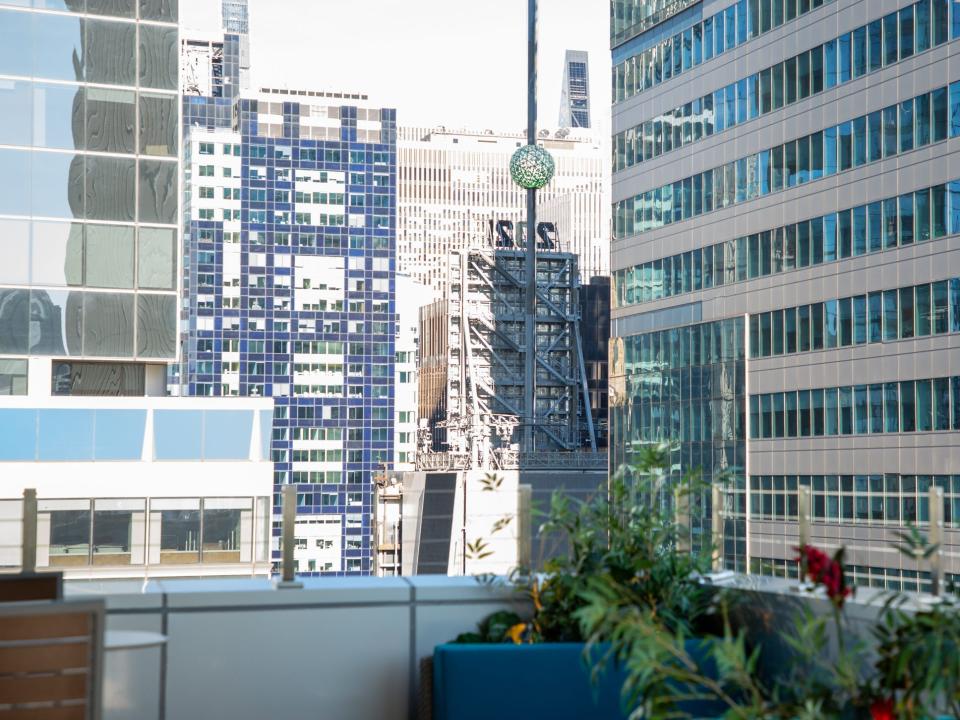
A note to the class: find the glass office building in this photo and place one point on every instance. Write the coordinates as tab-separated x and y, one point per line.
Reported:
785	184
575	93
89	199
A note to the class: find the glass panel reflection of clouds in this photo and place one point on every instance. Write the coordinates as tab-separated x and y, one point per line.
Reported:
118	434
18	434
177	434
65	434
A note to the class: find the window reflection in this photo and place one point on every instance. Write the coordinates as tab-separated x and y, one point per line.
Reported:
13	377
109	188
99	379
57	253
55	322
179	536
156	325
61	32
15	240
14	321
118	532
14	180
58	120
177	434
16	105
110	120
158	191
107	324
51	185
109	53
108	255
158	57
227	530
156	259
69	532
65	435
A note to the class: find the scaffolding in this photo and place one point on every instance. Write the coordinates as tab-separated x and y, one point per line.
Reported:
485	355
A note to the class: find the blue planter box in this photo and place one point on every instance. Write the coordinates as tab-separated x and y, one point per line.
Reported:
519	682
548	680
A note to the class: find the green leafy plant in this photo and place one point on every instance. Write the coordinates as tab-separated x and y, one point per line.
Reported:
478	550
917	672
623	535
492	629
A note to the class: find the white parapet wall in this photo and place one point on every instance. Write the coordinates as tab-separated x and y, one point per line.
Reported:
339	648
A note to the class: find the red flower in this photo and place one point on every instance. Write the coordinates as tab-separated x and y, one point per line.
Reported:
823	570
882	709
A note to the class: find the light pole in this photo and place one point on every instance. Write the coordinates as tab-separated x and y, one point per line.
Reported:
530	374
531	167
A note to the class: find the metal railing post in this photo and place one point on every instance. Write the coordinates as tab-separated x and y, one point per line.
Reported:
936	538
803	514
525	526
717	522
28	563
681	507
287	538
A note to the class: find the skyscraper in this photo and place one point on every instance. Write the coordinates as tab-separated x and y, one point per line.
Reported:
289	280
88	197
455	194
786	272
575	94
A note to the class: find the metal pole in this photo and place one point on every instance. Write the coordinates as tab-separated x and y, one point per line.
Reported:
530	389
936	538
716	503
525	527
28	563
289	509
681	507
803	514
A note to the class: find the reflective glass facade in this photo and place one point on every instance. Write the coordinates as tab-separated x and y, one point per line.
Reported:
869	48
805	190
89	129
679	37
687	386
893	130
927	214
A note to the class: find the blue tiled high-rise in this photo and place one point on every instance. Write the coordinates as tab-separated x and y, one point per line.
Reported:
289	287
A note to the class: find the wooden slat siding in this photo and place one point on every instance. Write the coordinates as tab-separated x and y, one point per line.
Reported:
40	658
71	712
45	627
20	689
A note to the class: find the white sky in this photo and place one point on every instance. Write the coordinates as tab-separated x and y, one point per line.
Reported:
459	63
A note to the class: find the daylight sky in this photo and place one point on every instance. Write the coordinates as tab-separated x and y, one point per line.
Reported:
459	63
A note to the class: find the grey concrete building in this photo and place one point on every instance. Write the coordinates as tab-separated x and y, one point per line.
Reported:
786	202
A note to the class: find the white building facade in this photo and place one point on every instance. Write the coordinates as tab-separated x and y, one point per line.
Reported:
454	186
139	487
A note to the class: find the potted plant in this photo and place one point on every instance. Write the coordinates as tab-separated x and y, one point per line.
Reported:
911	671
541	665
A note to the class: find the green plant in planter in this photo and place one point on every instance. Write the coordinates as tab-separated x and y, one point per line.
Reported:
917	671
918	665
624	536
667	670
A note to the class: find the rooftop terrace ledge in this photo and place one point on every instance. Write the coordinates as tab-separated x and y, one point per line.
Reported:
347	647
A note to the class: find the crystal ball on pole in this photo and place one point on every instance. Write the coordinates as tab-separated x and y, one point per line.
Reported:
531	167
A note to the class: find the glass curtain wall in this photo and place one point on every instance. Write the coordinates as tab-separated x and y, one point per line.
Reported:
89	131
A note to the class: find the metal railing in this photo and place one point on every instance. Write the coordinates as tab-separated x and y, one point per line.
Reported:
515	460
